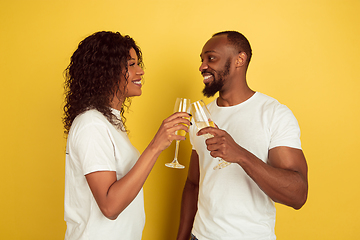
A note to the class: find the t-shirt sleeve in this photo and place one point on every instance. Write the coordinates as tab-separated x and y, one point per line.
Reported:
95	149
285	130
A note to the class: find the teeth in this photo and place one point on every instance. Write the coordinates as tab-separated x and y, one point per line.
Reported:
137	82
207	77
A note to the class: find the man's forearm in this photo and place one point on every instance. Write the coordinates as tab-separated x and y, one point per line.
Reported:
188	210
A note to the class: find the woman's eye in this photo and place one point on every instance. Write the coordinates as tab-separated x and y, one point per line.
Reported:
131	64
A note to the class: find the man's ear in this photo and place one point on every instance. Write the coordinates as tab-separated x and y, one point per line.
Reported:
241	59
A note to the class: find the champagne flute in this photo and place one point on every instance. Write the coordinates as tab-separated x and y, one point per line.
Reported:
202	119
181	105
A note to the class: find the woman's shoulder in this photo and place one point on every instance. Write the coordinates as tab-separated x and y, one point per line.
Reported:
91	117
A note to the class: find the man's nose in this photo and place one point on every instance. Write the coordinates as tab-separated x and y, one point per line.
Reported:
203	66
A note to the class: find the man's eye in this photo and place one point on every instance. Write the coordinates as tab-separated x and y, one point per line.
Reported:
210	58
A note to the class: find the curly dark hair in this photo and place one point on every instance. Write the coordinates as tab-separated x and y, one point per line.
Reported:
94	76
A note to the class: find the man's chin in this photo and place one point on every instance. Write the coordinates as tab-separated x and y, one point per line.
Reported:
207	93
211	89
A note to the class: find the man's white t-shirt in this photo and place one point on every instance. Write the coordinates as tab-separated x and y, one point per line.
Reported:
94	144
231	206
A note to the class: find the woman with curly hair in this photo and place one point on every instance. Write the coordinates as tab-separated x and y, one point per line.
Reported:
104	173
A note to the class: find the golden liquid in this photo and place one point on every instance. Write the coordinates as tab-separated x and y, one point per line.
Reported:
182	132
201	125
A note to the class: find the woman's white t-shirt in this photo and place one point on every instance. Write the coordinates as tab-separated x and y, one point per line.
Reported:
94	144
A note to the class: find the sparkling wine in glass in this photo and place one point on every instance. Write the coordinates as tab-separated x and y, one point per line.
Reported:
181	105
202	119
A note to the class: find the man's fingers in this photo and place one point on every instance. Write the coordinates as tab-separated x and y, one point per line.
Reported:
211	130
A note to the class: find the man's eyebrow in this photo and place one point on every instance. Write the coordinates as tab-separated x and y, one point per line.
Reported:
210	51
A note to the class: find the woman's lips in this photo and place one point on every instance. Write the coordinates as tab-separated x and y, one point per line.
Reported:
137	82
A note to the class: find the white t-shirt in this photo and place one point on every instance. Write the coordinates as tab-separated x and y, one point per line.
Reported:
94	144
231	206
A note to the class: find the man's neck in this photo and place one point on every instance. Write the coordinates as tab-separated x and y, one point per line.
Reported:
234	97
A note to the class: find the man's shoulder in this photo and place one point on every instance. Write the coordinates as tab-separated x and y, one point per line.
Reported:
269	102
261	97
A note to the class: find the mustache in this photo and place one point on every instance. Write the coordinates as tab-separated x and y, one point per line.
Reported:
207	71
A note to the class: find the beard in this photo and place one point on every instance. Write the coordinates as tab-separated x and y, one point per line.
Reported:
217	84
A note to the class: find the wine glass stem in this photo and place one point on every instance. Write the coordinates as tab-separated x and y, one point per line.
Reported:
176	150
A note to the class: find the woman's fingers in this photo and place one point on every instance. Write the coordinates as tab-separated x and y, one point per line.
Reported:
178	116
167	131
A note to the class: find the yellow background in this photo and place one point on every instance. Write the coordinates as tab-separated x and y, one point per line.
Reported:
305	54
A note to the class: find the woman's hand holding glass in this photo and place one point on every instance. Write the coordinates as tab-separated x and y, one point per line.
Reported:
167	131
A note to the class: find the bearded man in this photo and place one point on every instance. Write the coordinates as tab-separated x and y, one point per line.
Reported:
259	137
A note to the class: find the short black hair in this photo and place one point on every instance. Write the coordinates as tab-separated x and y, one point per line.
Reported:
239	41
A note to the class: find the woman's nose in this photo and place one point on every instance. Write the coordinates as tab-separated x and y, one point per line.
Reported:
140	71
